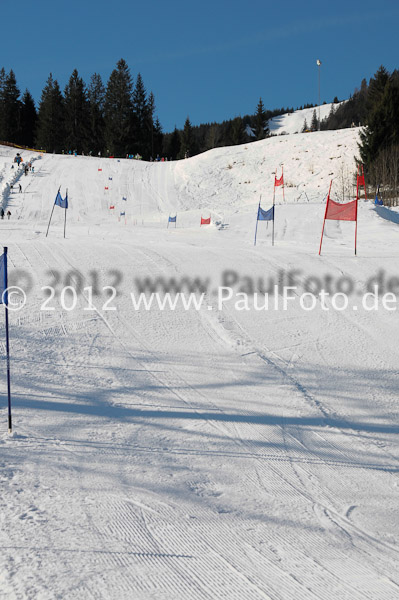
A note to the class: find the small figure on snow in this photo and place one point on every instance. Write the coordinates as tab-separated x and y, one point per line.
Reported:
8	214
2	212
20	188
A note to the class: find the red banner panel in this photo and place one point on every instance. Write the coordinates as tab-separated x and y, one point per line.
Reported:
341	212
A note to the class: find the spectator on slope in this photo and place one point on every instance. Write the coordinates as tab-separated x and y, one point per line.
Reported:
2	212
8	214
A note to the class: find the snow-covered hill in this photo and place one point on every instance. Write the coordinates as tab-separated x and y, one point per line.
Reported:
198	454
294	122
219	181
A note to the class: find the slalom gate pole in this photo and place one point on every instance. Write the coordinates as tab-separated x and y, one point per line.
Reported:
273	223
7	343
356	227
65	214
365	191
325	214
257	219
51	216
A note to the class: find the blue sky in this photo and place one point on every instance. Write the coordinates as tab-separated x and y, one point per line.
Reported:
207	60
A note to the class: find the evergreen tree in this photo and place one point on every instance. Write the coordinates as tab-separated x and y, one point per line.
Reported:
143	118
50	126
96	96
153	135
314	125
28	120
213	136
377	87
76	114
11	109
118	111
391	102
2	84
237	131
188	146
171	144
157	138
261	128
379	131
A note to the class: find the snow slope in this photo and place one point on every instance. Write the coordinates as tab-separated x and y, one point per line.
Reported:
293	122
184	454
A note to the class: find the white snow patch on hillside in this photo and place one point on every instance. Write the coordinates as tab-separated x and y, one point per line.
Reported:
290	123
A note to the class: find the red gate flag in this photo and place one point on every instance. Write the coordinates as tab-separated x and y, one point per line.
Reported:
360	181
205	221
111	207
341	212
278	182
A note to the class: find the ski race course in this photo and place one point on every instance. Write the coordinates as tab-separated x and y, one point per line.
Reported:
200	454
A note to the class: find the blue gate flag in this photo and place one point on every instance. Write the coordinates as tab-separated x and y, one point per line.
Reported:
109	178
377	200
3	279
172	219
60	201
122	214
265	215
123	198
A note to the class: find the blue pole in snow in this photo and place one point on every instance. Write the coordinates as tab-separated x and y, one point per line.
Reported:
7	342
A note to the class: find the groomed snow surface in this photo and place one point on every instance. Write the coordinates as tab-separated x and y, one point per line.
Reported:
198	454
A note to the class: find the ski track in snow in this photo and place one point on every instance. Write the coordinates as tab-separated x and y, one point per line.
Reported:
197	454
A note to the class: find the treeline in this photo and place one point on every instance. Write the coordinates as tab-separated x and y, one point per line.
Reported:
117	119
375	106
193	140
113	119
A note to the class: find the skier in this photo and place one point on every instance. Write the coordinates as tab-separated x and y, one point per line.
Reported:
20	188
8	214
2	212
